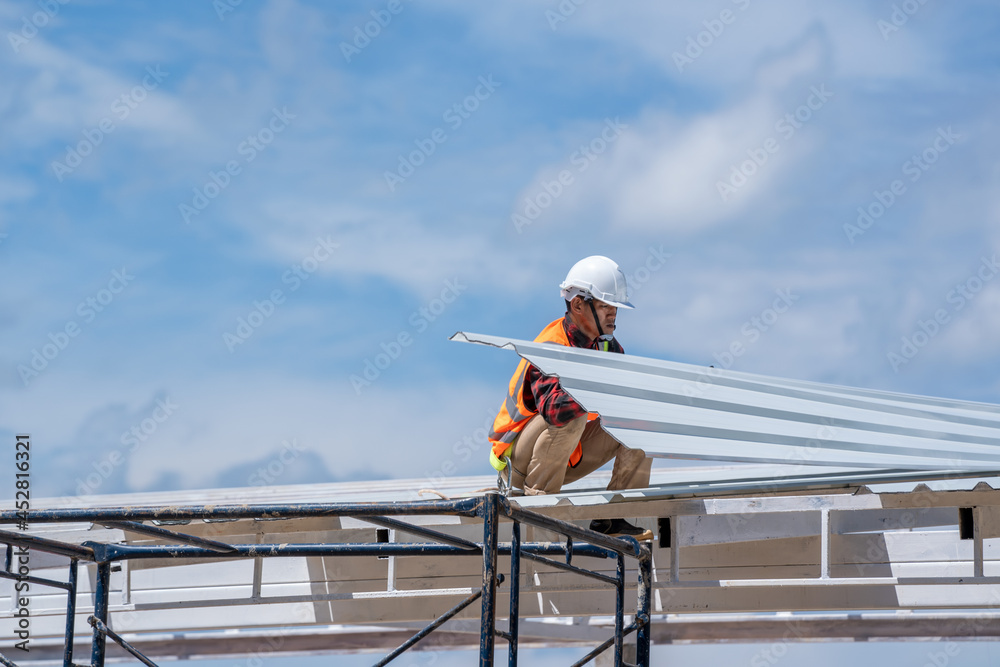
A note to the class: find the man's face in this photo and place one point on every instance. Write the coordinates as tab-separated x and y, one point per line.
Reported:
585	319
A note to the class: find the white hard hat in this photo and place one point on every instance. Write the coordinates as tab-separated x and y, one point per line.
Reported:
598	277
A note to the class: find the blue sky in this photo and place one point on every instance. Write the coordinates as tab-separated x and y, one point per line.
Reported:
173	169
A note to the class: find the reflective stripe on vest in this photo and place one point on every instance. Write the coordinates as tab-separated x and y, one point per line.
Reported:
514	415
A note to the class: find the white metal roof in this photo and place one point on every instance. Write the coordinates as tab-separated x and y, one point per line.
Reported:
677	410
665	482
742	553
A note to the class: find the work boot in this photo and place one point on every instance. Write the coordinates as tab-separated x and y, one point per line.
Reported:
620	528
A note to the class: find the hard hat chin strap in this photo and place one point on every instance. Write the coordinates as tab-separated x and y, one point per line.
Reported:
593	311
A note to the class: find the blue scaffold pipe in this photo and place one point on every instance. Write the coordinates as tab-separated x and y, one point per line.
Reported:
515	593
70	613
490	513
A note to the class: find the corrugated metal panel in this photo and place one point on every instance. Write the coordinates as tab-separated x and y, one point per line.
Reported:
753	480
664	483
678	410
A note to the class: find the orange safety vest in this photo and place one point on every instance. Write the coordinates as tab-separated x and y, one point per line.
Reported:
514	415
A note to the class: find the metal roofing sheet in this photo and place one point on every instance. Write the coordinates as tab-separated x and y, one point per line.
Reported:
664	482
677	410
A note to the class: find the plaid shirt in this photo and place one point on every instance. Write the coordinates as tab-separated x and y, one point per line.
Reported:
543	393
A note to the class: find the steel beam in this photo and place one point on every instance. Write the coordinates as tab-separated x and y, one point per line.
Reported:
622	545
31	579
115	552
490	512
643	611
70	614
436	535
515	593
431	627
100	612
463	507
603	646
44	544
105	630
619	609
571	568
156	531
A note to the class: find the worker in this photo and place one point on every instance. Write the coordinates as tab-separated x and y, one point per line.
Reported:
550	439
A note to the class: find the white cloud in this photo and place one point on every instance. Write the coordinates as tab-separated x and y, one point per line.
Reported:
696	312
684	175
398	247
61	95
665	173
389	431
729	51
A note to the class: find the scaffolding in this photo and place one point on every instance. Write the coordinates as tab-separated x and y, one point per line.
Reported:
283	574
793	529
490	508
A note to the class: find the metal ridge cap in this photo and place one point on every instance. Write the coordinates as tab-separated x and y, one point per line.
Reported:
721	486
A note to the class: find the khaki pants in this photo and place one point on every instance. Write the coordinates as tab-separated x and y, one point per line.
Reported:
541	452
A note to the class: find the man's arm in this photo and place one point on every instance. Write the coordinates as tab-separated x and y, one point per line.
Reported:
555	405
